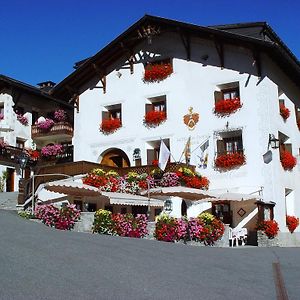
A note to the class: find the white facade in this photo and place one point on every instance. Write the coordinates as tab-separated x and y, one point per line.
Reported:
12	131
192	84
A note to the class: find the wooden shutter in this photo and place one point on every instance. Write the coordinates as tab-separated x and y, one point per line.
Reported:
288	147
218	96
105	115
220	147
148	107
150	156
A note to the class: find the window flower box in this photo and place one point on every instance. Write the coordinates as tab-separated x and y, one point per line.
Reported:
45	125
230	160
153	118
284	112
109	126
288	161
292	223
22	119
227	106
52	150
157	72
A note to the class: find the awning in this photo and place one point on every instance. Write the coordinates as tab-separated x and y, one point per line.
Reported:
230	197
182	192
72	188
46	196
130	199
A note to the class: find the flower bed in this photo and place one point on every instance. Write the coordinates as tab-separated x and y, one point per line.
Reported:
153	118
292	223
288	161
230	160
22	119
60	115
120	224
205	228
52	150
227	106
269	228
284	111
63	218
110	126
133	182
45	125
157	72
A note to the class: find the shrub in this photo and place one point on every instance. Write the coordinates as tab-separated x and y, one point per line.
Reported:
269	227
166	228
63	219
26	214
52	150
292	223
103	222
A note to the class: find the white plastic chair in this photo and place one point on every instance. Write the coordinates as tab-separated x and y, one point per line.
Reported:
233	238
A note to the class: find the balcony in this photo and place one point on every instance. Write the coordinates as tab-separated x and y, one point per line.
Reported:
59	131
9	156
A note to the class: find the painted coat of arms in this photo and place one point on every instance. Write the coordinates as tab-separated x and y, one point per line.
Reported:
191	119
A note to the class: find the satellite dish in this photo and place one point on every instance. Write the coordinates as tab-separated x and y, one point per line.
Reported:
267	157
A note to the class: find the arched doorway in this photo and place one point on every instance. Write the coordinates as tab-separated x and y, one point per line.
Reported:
114	157
183	208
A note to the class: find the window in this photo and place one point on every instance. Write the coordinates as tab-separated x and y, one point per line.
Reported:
230	142
112	112
157	104
160	62
153	150
20	143
228	91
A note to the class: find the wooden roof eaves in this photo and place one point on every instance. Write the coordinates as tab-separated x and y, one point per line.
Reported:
200	31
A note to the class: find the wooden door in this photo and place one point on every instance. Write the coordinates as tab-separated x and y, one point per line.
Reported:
10	180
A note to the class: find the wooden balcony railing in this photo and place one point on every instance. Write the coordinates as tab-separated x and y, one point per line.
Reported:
60	128
9	155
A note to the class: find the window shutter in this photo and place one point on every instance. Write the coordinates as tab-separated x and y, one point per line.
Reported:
150	156
105	115
148	107
288	148
220	147
218	96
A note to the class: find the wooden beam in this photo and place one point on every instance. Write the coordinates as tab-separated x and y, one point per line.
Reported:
257	62
102	76
186	40
16	96
220	50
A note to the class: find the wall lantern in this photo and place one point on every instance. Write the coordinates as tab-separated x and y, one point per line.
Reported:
168	205
23	159
136	154
273	142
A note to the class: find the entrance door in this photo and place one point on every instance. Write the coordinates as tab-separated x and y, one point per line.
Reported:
139	210
222	211
10	180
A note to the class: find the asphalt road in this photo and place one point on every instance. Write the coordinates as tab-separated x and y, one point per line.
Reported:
37	262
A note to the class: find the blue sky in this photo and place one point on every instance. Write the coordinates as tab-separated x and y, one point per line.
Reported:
41	39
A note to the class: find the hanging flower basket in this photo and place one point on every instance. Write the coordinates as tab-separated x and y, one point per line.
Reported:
153	118
60	115
22	119
284	112
45	125
288	161
230	160
110	126
292	223
227	107
157	72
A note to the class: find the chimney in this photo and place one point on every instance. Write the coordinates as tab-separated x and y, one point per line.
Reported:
46	85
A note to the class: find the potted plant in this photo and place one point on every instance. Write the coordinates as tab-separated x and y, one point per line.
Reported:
45	125
60	115
284	112
109	126
292	223
51	151
288	161
227	106
153	118
229	161
156	72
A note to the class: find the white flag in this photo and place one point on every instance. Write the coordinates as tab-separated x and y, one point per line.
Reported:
164	154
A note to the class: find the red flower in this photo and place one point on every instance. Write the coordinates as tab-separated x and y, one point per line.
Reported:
157	72
284	111
155	162
154	118
109	126
95	180
227	106
270	228
288	161
197	182
292	223
230	160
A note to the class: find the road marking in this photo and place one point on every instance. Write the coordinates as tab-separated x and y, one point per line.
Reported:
279	283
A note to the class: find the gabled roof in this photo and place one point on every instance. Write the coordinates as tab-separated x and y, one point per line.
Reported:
257	36
8	82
